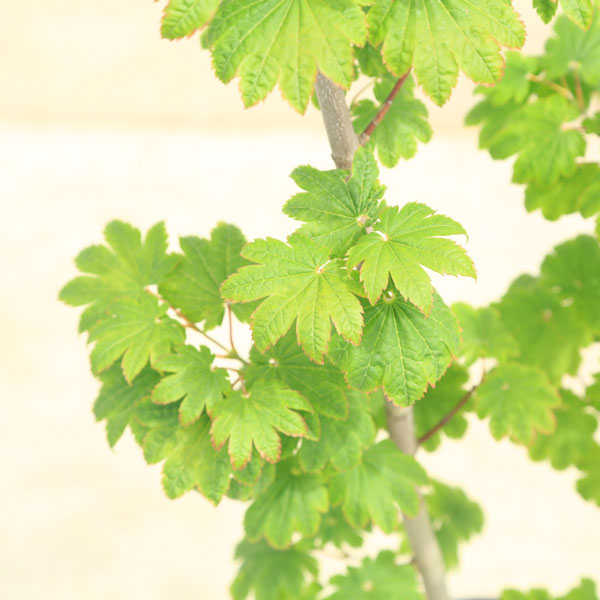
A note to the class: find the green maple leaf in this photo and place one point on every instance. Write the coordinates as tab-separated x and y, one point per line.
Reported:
437	403
404	240
342	442
287	41
322	385
373	490
336	209
183	17
137	330
456	519
194	286
117	399
302	284
123	269
272	574
255	418
579	192
573	437
192	462
588	485
484	335
573	269
592	124
337	531
379	579
574	49
519	400
155	428
549	333
194	379
293	502
436	37
402	351
586	590
546	9
515	86
592	393
404	124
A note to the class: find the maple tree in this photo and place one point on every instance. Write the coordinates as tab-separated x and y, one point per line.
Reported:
356	359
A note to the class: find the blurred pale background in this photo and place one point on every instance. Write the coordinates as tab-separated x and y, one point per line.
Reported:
99	118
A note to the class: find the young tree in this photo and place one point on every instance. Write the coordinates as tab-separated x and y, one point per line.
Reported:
351	340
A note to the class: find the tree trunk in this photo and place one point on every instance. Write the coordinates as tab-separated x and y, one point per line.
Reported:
426	550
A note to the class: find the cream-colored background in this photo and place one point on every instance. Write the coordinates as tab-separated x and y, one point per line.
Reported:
99	118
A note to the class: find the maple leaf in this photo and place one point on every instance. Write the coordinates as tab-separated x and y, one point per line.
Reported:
579	192
194	286
373	490
272	574
255	418
573	437
194	463
301	283
336	209
402	351
437	403
586	590
379	579
322	385
456	519
519	400
337	531
436	37
592	124
194	379
574	49
122	269
484	335
404	240
183	17
342	442
191	461
549	333
293	502
117	399
573	270
286	40
404	124
137	330
588	485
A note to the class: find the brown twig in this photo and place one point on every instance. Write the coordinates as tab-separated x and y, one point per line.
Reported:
383	109
563	91
446	418
189	323
230	320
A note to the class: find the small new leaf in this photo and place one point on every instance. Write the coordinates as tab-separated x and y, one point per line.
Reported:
255	419
194	379
302	284
402	351
373	490
404	240
336	209
519	400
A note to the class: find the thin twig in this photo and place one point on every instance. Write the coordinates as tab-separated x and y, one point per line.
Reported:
361	91
230	319
383	109
189	323
446	418
563	91
578	90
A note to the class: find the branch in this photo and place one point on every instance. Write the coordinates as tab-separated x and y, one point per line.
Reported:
383	109
446	418
338	123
